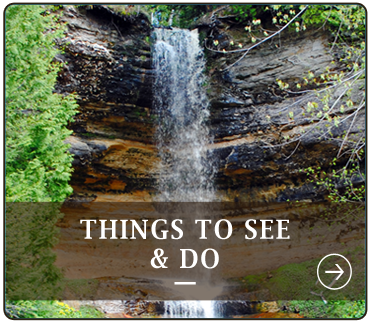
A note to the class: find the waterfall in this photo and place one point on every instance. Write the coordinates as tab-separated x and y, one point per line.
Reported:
182	111
182	136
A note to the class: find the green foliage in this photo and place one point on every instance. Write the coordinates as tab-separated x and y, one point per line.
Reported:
50	310
346	184
332	309
191	13
163	13
38	165
245	12
350	18
183	15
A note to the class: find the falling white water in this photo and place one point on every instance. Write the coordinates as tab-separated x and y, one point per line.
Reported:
182	135
182	110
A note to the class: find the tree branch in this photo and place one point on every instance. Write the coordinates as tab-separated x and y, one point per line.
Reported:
347	133
246	50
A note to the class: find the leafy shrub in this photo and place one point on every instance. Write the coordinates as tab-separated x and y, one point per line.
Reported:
49	309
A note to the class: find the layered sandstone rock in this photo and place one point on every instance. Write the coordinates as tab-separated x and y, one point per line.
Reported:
109	68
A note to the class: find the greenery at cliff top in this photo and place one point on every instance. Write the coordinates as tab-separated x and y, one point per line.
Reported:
184	16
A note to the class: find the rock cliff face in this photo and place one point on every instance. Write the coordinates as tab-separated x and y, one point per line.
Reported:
250	117
109	68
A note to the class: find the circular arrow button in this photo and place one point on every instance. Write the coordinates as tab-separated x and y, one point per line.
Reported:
334	269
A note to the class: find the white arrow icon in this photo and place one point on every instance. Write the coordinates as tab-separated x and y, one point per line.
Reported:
340	272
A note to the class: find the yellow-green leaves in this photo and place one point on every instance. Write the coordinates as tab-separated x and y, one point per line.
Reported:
282	85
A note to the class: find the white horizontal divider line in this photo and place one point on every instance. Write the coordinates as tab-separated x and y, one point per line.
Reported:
185	283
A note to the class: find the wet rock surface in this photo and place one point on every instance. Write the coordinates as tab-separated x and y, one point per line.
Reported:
235	308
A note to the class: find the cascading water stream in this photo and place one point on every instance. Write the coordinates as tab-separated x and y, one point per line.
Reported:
182	136
182	109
